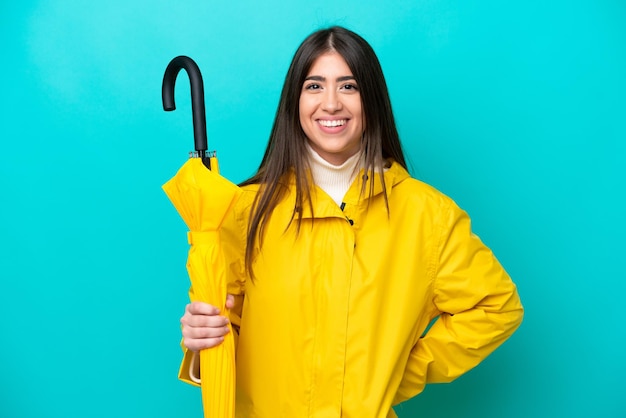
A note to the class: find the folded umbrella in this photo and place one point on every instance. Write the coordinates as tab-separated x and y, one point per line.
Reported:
203	199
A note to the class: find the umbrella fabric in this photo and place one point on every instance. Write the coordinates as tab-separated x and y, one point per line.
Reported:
203	198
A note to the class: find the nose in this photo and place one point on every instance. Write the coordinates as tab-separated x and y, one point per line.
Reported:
331	102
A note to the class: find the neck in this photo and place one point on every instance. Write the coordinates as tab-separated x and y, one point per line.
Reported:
335	180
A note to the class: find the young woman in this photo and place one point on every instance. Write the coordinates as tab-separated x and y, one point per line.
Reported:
338	260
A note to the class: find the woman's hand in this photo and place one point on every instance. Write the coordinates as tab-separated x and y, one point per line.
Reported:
203	326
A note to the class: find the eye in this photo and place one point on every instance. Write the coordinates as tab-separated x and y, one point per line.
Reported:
312	86
350	87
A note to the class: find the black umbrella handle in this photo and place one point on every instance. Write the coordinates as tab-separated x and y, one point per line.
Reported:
197	100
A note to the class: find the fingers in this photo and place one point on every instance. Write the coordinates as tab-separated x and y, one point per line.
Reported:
202	326
201	308
198	345
196	341
230	301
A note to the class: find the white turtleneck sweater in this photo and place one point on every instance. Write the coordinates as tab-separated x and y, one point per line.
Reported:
335	180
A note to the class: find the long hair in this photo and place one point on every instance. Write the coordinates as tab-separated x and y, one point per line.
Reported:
286	149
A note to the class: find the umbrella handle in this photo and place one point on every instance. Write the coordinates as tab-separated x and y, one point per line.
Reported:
197	100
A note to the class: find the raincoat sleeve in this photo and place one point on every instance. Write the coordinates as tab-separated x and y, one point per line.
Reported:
478	304
232	241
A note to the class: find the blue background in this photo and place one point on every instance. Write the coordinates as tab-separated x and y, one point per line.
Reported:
515	109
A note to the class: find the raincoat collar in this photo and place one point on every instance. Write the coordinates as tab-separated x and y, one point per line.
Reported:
324	206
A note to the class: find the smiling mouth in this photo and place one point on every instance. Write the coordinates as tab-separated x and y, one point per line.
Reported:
332	123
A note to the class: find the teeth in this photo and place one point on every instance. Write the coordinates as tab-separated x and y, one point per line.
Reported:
332	123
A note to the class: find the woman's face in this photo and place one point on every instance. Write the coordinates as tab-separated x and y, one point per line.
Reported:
331	114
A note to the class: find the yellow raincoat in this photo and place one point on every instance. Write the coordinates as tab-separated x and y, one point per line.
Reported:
333	324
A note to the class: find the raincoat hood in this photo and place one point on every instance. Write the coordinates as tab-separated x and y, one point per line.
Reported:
358	194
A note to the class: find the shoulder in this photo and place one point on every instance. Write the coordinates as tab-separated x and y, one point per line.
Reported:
407	190
246	198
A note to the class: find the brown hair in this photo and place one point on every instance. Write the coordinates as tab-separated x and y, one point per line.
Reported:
286	149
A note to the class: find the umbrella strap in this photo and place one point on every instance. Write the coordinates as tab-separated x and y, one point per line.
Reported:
202	238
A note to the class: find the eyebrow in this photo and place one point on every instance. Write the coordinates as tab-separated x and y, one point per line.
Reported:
320	78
